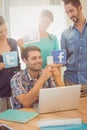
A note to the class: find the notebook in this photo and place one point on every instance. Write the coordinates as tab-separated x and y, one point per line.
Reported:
62	124
82	126
58	99
17	115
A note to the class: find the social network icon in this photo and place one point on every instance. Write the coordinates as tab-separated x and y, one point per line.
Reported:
59	56
10	59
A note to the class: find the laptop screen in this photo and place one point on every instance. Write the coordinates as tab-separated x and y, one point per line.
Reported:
59	98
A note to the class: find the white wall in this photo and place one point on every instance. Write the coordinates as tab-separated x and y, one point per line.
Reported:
28	2
33	2
84	4
1	5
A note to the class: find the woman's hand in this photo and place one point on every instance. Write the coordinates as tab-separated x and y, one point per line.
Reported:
20	43
2	65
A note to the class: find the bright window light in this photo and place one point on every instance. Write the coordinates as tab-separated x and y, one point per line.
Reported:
22	19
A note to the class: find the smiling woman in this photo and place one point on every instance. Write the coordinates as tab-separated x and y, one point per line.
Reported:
47	41
6	45
27	20
27	17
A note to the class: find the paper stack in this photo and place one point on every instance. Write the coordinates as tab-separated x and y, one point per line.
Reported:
62	124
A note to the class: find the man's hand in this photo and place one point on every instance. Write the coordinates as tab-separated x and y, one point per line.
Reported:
56	74
46	73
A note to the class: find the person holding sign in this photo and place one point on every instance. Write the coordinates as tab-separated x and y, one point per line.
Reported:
7	45
74	41
47	42
25	84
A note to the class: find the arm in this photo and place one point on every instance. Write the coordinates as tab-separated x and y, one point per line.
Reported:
2	65
57	76
20	43
28	98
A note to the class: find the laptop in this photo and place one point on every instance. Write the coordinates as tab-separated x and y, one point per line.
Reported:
58	99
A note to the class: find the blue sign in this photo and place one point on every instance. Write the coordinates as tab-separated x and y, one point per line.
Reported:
59	56
10	59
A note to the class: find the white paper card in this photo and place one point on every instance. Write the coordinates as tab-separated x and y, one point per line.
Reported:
59	122
50	60
32	36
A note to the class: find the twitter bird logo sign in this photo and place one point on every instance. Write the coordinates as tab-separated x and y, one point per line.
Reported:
59	56
10	59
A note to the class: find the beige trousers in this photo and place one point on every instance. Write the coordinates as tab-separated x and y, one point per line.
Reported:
83	88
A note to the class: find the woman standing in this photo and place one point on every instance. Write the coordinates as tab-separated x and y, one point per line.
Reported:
48	42
6	45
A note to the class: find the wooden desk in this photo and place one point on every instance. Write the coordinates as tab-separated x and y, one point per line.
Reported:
32	125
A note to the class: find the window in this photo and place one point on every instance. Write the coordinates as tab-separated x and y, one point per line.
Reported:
23	16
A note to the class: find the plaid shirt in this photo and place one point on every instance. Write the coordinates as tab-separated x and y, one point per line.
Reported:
22	83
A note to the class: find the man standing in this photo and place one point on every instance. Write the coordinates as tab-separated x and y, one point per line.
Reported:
74	40
25	84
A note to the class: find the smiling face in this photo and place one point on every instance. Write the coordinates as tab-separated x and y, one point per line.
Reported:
73	12
34	61
45	19
44	23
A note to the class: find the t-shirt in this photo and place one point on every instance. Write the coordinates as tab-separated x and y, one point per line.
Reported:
46	45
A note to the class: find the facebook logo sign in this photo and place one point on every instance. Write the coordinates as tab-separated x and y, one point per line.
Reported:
59	56
10	59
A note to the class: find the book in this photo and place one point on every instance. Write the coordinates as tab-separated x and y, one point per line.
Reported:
66	127
62	124
17	115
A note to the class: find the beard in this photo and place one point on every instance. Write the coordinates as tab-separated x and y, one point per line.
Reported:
35	69
74	19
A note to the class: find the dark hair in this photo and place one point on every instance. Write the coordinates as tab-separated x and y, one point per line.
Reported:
75	3
2	20
47	13
26	50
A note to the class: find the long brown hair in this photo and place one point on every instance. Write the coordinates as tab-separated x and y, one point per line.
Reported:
2	20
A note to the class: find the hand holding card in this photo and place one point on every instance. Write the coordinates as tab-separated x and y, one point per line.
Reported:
49	60
59	56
